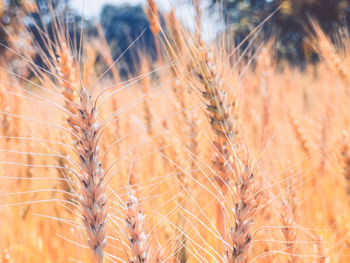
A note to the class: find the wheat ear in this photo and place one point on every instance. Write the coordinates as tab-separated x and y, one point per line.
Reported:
222	115
288	230
227	164
345	152
300	134
65	68
327	50
246	200
91	178
154	21
137	235
223	119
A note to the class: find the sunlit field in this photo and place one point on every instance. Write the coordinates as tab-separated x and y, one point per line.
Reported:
205	152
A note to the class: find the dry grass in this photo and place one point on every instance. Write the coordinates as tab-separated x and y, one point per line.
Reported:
202	156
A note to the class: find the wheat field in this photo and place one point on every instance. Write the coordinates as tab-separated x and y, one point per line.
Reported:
210	153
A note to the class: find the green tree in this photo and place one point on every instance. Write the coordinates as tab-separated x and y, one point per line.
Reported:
291	23
122	26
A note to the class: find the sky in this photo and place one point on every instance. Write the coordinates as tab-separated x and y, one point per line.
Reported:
92	8
184	12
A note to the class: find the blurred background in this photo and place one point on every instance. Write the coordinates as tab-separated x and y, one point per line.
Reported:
122	21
